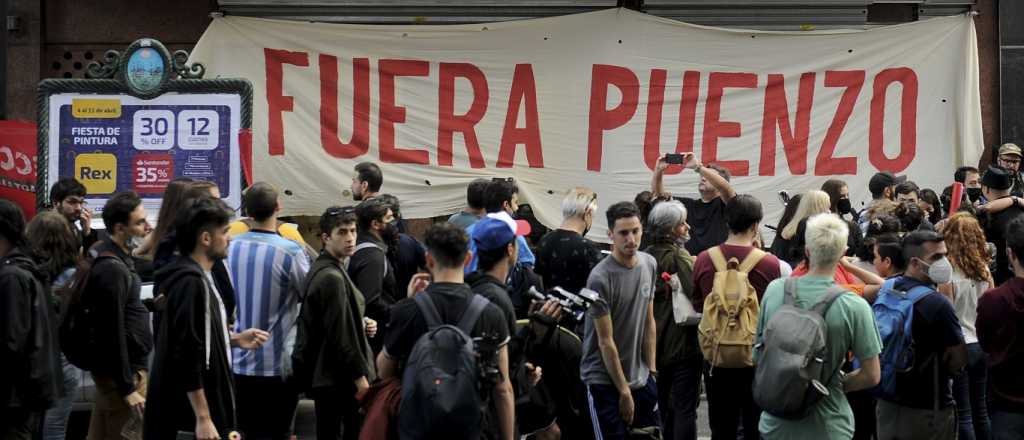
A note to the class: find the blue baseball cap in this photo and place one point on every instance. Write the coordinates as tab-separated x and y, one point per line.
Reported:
497	230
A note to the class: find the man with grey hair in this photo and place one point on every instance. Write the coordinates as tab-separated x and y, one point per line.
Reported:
707	212
678	355
850	328
565	257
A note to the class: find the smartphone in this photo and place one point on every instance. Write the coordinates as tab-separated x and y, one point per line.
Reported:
674	158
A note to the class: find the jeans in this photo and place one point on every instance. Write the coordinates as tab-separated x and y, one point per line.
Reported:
969	392
731	403
55	420
1007	425
678	397
604	410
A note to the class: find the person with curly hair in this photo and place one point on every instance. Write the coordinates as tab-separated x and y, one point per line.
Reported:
965	242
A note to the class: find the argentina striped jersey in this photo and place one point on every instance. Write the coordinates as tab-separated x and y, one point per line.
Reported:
267	271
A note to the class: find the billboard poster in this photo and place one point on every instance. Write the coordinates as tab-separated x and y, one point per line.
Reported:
115	143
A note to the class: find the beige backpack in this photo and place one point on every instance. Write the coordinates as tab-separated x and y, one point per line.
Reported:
729	322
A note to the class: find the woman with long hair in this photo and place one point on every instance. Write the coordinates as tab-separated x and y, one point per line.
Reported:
790	249
929	202
173	202
55	245
839	199
966	249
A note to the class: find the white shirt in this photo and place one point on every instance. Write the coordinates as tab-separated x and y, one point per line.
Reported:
223	313
965	303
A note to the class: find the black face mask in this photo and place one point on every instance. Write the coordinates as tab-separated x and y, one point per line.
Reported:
390	232
974	194
844	206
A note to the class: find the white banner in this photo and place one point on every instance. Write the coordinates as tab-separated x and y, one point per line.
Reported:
593	99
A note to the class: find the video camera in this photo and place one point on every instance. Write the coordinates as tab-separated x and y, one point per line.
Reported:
486	347
572	304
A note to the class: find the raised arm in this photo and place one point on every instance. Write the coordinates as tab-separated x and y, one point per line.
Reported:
716	180
657	187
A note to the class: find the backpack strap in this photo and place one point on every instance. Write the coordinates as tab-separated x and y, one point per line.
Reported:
428	309
823	304
472	313
751	260
368	245
718	259
789	291
918	293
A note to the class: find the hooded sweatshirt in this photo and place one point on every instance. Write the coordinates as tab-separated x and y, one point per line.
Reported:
31	366
191	354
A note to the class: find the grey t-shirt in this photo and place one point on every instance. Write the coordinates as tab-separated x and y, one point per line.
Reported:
625	293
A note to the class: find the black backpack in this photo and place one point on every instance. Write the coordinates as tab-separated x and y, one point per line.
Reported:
77	334
440	386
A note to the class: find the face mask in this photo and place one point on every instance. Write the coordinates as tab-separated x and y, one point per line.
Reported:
974	193
844	206
940	271
390	232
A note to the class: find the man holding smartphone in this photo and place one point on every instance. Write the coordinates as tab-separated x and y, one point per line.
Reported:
706	215
68	199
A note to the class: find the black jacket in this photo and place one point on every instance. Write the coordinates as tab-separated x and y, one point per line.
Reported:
331	349
30	366
496	292
995	232
121	321
182	363
375	277
166	254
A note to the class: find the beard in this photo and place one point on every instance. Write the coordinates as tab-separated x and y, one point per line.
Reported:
217	254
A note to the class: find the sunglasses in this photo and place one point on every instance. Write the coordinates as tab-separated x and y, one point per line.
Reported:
341	211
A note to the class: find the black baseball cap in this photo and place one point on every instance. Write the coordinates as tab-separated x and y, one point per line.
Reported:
880	181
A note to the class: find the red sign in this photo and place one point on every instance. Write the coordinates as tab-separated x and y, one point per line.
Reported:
18	164
152	172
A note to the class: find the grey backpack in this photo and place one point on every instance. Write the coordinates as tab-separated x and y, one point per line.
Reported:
792	357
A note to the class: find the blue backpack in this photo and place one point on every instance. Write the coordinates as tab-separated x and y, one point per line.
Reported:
894	314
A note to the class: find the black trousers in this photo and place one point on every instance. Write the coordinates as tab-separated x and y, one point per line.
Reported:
731	403
337	414
19	424
678	397
266	407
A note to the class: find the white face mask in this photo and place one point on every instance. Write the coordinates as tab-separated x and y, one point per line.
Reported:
940	271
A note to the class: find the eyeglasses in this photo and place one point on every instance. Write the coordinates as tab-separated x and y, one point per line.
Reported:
502	179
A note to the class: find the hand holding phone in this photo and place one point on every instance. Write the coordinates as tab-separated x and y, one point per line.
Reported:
674	158
684	159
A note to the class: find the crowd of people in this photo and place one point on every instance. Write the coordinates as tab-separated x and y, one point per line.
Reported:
897	321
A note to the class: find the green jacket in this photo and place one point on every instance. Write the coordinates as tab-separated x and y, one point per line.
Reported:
331	349
674	342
